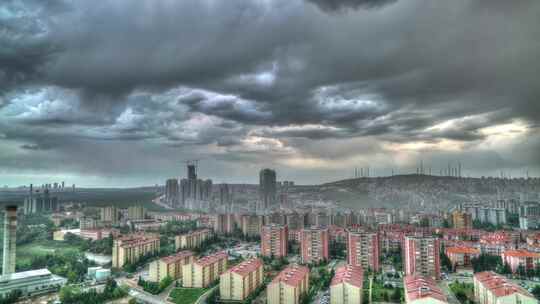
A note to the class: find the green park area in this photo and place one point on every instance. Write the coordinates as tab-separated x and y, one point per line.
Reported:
25	253
186	295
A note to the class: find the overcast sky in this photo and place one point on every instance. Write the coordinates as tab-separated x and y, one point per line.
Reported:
121	92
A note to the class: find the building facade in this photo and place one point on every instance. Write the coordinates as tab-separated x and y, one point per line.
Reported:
289	285
346	286
274	240
240	281
170	266
191	240
491	288
130	248
363	249
421	256
204	271
314	245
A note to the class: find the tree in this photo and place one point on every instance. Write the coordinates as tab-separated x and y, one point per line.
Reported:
396	295
536	291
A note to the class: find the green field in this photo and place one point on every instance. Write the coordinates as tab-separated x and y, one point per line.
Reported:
186	295
41	248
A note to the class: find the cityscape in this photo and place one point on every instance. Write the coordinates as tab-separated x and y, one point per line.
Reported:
269	152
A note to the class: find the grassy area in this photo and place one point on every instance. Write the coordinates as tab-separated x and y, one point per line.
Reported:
41	248
186	295
464	292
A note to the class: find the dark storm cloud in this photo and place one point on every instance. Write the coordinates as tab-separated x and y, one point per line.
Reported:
244	76
339	5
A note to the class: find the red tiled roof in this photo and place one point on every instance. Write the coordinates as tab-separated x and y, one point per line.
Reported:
292	275
210	259
462	250
178	256
353	275
521	253
418	287
246	267
499	285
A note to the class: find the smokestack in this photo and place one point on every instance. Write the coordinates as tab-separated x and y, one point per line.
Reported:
10	240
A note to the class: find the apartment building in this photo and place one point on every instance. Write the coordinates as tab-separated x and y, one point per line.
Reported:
421	256
274	240
461	220
363	248
193	239
462	255
422	290
204	271
170	266
108	215
491	288
130	248
240	281
346	285
289	285
252	224
223	223
521	257
314	245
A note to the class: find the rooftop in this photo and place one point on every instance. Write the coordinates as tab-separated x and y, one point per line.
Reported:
499	285
418	287
353	275
210	259
25	275
177	256
292	275
247	267
521	253
462	250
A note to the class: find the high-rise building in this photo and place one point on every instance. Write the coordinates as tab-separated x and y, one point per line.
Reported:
314	245
109	214
170	266
289	285
252	224
172	192
10	240
223	223
136	213
363	249
267	188
274	240
461	220
40	202
346	285
225	198
421	256
204	271
239	282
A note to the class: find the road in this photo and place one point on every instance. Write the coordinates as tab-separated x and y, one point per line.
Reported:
146	297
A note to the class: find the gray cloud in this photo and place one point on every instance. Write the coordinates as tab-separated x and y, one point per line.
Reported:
262	81
340	5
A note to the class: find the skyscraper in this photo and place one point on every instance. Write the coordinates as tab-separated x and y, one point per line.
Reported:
10	240
267	188
171	192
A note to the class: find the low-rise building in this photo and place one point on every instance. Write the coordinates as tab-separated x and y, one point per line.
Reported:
289	285
170	266
240	281
191	240
521	257
130	248
422	290
31	283
491	288
204	271
346	285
